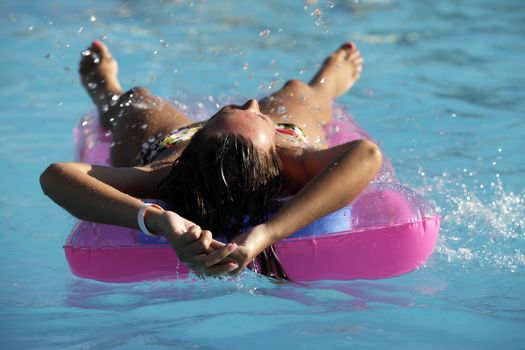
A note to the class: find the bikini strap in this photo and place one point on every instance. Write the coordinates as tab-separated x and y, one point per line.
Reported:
292	130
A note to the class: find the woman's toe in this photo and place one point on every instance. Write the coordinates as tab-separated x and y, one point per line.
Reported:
101	49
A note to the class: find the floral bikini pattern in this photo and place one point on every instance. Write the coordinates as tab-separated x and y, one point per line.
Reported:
151	150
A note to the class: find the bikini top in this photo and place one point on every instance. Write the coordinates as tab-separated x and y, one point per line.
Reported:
152	150
186	133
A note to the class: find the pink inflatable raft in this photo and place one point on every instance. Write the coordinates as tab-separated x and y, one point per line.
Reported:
387	231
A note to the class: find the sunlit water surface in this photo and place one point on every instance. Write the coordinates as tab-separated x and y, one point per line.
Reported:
442	91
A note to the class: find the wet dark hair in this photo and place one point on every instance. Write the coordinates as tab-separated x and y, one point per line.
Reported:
225	184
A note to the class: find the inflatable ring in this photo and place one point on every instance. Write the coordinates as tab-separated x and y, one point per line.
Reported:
388	230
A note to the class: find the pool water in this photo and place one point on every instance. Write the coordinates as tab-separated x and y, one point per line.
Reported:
442	92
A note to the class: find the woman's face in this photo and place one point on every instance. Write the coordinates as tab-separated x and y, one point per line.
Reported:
247	121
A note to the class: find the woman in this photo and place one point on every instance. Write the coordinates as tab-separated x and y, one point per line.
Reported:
214	175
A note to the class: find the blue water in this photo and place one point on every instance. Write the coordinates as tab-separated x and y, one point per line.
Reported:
442	91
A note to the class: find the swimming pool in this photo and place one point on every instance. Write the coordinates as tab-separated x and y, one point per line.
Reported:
442	91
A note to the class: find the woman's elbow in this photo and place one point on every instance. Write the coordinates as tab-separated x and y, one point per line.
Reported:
373	155
49	176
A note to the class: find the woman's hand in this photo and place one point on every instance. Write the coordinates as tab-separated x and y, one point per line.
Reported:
195	247
249	245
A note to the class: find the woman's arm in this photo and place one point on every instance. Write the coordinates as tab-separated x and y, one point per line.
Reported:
106	195
333	177
100	193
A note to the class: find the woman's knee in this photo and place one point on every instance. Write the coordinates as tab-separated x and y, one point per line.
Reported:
140	91
295	84
133	94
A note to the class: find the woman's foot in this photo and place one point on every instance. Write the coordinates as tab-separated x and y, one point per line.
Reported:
339	72
98	72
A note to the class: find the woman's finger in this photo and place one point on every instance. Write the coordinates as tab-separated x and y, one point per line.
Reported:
190	236
217	255
217	244
200	246
220	269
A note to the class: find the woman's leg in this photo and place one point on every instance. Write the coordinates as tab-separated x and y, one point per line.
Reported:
310	104
134	117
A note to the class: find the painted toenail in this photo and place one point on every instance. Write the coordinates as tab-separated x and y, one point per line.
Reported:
95	44
348	46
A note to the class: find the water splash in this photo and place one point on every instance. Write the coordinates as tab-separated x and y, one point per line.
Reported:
482	227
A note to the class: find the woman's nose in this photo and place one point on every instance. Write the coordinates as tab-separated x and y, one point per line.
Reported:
251	105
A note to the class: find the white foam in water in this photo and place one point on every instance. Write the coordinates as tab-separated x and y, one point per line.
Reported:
481	227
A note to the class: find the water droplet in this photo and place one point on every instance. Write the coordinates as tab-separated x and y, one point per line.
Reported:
144	126
175	71
80	30
151	139
340	117
84	123
499	150
210	98
453	115
30	28
49	22
334	129
316	13
200	105
92	85
155	52
92	18
281	109
322	81
245	66
302	98
105	108
302	71
264	34
330	5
